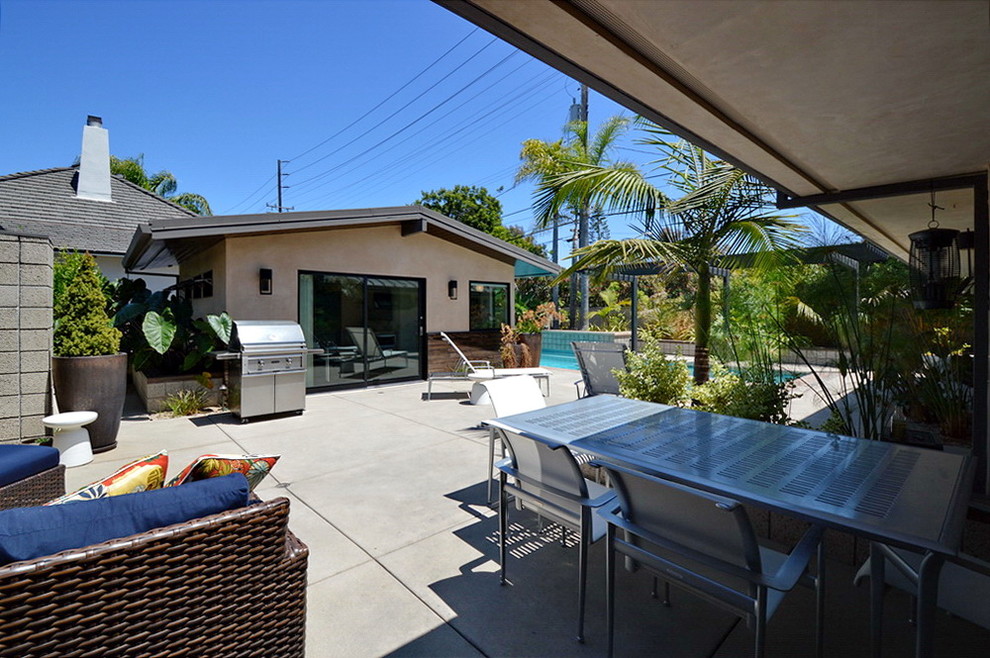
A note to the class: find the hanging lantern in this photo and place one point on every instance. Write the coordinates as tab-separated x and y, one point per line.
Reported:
934	265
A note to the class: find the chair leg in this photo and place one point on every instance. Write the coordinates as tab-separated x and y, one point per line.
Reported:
491	462
503	526
666	592
877	563
820	602
610	587
583	547
761	621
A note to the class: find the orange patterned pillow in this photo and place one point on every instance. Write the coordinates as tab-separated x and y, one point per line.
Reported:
254	468
141	475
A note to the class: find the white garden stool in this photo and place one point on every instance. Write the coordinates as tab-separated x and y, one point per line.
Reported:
71	438
479	394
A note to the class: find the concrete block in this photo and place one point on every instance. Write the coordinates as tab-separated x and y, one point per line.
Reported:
8	318
10	429
34	339
34	382
8	363
36	318
37	252
9	385
10	406
32	275
8	295
35	296
33	404
9	272
9	250
36	361
8	339
32	427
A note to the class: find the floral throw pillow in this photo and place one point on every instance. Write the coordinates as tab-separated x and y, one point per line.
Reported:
254	468
141	475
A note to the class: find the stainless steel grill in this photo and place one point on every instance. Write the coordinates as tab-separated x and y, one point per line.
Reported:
270	372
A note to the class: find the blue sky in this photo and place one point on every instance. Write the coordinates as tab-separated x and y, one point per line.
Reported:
217	91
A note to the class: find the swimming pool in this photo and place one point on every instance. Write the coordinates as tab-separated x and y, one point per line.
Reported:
567	360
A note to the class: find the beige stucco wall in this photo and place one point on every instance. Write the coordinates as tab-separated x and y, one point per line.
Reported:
378	251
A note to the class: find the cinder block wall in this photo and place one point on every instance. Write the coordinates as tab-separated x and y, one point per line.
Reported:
25	334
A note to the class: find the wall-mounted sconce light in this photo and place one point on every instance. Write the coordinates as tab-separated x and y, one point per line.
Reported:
452	289
934	264
265	281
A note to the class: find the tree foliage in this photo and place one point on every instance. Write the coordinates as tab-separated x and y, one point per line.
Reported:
82	326
477	208
162	183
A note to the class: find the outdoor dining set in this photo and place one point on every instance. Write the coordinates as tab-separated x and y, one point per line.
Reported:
682	485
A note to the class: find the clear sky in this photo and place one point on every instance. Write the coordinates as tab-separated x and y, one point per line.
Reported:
373	101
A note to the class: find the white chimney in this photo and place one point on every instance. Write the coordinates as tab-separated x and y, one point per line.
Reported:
94	163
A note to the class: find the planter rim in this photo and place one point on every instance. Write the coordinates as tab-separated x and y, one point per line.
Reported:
92	356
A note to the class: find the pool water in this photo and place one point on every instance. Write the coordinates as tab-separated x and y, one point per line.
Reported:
567	360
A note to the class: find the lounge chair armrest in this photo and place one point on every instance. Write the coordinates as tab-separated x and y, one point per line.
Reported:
481	364
796	563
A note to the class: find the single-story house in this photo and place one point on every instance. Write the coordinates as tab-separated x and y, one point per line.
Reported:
399	274
85	208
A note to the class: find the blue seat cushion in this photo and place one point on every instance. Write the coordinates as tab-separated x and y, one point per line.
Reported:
21	461
30	532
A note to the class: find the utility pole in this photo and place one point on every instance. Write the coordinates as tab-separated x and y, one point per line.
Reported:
279	207
583	219
555	291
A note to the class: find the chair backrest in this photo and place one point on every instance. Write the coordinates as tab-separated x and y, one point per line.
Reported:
464	360
597	361
366	341
703	523
553	467
515	395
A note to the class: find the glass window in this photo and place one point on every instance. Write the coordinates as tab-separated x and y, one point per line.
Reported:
489	305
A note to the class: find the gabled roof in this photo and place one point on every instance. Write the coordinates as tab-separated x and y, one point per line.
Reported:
169	242
44	202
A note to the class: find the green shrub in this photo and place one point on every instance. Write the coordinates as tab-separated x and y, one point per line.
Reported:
654	377
742	396
82	326
186	403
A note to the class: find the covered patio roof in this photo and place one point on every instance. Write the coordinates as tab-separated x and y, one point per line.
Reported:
813	97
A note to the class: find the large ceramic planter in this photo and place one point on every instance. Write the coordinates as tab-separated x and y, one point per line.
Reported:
535	344
93	383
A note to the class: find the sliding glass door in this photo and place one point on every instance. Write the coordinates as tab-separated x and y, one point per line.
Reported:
369	329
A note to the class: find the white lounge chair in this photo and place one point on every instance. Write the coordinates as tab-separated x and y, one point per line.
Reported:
479	371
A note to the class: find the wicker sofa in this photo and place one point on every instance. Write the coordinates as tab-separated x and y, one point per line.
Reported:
34	490
230	584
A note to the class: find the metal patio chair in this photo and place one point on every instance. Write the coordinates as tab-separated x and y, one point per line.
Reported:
597	361
509	396
370	350
548	480
705	544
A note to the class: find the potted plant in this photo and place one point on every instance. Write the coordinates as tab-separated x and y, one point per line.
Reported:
530	325
89	371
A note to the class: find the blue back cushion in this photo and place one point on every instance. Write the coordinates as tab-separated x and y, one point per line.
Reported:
30	532
20	461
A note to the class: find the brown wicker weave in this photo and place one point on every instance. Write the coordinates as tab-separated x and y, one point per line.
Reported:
34	490
232	584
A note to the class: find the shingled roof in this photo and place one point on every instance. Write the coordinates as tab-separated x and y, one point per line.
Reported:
44	202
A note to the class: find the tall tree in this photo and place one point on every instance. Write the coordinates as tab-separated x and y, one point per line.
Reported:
722	210
576	150
477	208
162	183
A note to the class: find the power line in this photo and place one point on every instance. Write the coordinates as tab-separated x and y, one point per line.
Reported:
387	99
250	196
373	128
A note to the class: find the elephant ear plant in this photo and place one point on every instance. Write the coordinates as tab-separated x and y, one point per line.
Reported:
161	334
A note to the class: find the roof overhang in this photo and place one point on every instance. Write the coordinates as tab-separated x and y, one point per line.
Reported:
170	242
813	97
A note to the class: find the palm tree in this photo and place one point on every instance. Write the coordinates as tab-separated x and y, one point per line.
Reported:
722	210
577	150
162	183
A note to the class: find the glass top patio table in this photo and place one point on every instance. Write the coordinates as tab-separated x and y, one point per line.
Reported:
884	491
